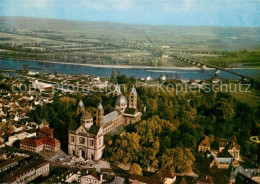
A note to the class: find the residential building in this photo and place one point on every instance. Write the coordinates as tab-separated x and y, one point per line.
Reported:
222	145
45	131
220	162
3	154
91	178
9	163
29	172
204	145
31	144
234	150
45	142
50	144
163	176
246	175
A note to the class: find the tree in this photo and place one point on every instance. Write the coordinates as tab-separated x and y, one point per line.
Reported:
118	73
178	159
135	169
166	143
125	149
122	79
73	125
224	109
113	74
26	68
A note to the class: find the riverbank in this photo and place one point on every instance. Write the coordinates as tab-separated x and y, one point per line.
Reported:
188	73
121	66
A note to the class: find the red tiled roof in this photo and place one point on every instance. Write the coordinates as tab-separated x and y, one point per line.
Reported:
46	131
50	141
31	142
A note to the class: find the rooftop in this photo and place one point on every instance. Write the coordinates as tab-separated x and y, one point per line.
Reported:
50	141
205	142
31	142
111	116
133	91
46	130
130	110
157	178
117	131
121	100
86	115
7	162
35	163
234	145
94	129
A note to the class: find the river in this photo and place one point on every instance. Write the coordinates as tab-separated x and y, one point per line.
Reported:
180	73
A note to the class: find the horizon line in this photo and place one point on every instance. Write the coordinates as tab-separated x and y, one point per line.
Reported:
129	23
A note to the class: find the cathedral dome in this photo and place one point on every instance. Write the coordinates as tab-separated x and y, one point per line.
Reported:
121	100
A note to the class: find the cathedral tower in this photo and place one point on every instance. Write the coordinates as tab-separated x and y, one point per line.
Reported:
100	115
86	120
133	99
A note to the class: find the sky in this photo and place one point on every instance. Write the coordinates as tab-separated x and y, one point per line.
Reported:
152	12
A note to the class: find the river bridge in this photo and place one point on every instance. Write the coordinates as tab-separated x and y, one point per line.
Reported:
204	65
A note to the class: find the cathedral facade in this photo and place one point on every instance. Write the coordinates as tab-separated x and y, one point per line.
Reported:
87	141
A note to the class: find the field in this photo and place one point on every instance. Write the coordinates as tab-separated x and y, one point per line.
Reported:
126	44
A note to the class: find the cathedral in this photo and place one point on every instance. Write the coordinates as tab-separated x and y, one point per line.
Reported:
87	141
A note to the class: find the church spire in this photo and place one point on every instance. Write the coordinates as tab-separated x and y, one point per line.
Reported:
81	108
133	99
